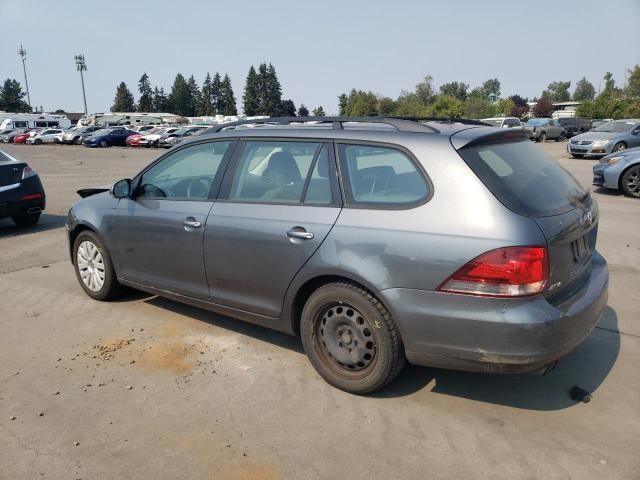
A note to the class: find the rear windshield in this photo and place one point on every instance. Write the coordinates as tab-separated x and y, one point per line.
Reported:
524	178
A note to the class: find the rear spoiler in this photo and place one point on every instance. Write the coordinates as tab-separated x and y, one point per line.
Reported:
475	136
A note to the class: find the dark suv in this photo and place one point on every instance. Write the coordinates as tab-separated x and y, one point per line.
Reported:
574	125
376	240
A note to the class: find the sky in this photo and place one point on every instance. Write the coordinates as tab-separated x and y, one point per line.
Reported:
320	48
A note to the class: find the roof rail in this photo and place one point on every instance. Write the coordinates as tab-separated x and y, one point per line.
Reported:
402	124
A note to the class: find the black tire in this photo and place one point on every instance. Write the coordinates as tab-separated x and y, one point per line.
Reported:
370	333
561	138
110	288
577	155
77	141
542	138
26	219
37	141
155	143
618	147
630	182
103	144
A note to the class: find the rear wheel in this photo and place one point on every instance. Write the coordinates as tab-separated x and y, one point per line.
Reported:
631	182
619	146
561	138
26	219
543	137
351	339
103	143
94	268
77	141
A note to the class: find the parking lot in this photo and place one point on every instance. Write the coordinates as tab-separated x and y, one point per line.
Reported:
148	388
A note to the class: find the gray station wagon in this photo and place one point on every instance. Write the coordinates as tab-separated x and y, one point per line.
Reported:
377	240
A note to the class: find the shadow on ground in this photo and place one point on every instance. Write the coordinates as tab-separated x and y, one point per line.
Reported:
47	222
587	366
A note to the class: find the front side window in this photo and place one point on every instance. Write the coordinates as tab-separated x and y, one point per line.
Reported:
187	174
381	176
279	171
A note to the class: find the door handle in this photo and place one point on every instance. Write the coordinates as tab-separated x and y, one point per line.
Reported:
192	223
300	235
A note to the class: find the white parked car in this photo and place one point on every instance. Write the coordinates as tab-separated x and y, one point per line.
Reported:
503	122
47	135
152	139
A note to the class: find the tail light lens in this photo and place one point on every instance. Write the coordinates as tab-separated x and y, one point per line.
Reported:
28	172
504	272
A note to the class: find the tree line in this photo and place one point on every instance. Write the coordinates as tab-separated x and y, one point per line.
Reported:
262	96
456	100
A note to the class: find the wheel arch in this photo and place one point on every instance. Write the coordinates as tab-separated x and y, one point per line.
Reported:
306	289
622	173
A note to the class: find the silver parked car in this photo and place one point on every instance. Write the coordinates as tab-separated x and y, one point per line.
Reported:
607	138
619	171
376	240
543	129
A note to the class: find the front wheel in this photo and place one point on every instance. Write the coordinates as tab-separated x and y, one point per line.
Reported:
77	141
37	141
94	268
103	143
351	339
619	147
631	182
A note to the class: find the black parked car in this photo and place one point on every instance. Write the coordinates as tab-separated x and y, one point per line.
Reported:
21	194
575	125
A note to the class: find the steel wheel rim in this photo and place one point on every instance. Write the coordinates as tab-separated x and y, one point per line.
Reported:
346	340
90	266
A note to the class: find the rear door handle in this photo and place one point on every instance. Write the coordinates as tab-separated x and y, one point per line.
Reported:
300	235
191	222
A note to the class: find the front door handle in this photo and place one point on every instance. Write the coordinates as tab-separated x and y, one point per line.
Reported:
300	235
191	223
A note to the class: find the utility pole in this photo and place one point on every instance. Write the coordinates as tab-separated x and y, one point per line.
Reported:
81	66
23	54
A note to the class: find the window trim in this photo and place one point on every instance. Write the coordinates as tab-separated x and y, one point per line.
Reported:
217	179
350	202
234	166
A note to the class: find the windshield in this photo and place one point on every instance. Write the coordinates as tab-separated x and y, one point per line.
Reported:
537	122
493	122
524	178
617	127
104	131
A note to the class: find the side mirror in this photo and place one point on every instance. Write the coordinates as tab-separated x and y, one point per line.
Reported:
122	189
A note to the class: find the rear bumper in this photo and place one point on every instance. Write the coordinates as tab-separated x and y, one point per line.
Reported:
496	335
29	196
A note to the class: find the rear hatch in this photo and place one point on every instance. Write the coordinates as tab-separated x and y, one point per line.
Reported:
530	183
10	170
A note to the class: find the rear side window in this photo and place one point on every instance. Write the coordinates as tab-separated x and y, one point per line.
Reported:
524	178
381	176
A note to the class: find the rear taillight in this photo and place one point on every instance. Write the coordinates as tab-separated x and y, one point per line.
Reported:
504	272
28	172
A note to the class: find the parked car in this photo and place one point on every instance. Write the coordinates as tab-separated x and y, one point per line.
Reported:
46	135
77	134
8	136
262	225
596	122
503	122
152	139
21	193
133	140
543	129
21	138
168	140
606	138
109	137
619	171
574	125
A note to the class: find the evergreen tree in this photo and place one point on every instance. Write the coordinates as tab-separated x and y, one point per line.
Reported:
123	101
287	108
273	91
302	111
584	91
319	112
250	97
227	102
206	107
342	104
216	94
159	100
145	104
11	97
179	100
609	83
558	91
194	96
633	85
